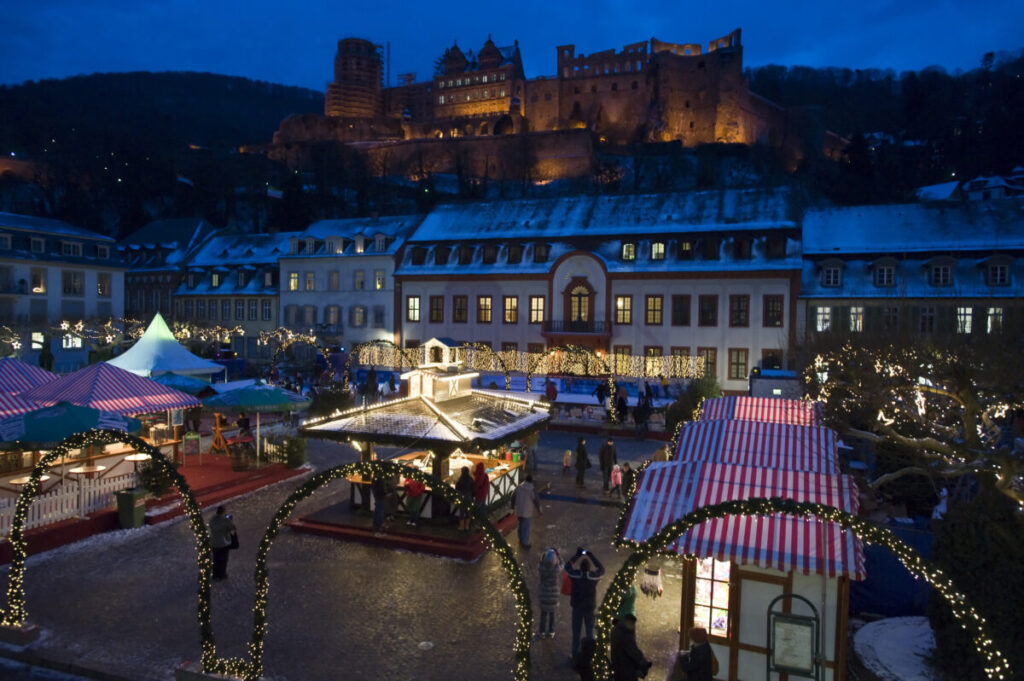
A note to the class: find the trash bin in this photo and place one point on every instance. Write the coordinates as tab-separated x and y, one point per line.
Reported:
131	507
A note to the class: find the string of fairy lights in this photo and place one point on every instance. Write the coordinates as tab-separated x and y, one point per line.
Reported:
252	669
284	338
15	613
996	665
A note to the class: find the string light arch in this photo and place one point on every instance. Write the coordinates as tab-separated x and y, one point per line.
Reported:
399	357
996	666
285	338
15	612
576	351
252	669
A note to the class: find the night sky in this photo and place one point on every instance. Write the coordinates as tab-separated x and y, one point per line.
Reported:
274	42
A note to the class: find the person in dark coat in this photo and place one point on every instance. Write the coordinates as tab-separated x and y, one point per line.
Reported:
584	570
582	461
628	662
466	488
550	591
481	486
601	392
641	412
696	661
607	456
222	528
628	476
584	664
621	406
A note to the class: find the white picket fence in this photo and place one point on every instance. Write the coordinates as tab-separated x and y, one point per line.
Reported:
66	501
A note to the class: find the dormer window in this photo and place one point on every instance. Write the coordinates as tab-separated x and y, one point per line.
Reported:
191	279
215	280
380	243
241	279
832	276
310	246
419	255
268	278
37	244
540	252
515	254
940	275
441	255
465	255
490	254
776	247
103	252
296	247
360	244
998	275
711	248
742	248
884	276
5	242
684	249
70	248
628	251
657	250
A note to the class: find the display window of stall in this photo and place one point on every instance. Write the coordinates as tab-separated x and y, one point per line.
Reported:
711	596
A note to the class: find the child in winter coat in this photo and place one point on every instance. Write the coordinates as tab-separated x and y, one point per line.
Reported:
566	461
616	478
550	591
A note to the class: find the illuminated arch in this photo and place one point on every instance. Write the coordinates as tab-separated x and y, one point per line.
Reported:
253	669
489	351
285	339
14	614
402	355
996	665
533	364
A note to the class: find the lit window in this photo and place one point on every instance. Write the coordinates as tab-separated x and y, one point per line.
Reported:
215	280
510	310
964	319
440	99
37	340
857	318
831	276
483	309
658	250
378	280
823	319
38	280
623	309
103	287
652	360
412	308
654	307
358	313
994	321
711	596
70	342
629	251
293	281
536	309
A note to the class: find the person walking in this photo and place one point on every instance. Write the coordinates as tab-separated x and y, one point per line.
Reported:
525	501
641	412
607	457
698	662
616	481
601	392
481	486
628	476
566	461
414	490
627	662
584	570
222	536
465	486
621	405
582	462
550	591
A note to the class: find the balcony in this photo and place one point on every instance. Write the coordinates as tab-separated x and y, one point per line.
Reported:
567	326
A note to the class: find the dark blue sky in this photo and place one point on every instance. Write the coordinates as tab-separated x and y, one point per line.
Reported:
296	45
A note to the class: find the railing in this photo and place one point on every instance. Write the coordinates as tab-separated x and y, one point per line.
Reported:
570	326
66	501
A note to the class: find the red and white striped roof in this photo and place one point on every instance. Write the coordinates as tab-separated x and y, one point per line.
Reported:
757	443
17	376
668	491
12	405
108	388
770	409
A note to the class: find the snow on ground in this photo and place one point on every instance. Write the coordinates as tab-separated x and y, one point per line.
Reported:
897	648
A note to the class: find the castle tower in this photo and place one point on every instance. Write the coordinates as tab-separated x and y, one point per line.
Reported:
358	74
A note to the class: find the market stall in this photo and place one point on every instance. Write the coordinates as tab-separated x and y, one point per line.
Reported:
453	424
759	443
768	409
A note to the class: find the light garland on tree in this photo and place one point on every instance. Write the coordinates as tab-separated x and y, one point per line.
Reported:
252	669
996	666
284	338
207	334
378	352
16	611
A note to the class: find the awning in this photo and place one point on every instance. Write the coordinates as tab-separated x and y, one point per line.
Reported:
16	376
107	388
11	405
668	491
771	409
756	443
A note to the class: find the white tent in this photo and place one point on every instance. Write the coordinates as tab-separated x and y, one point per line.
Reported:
159	352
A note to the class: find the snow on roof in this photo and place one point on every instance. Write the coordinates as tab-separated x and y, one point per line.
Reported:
706	211
38	225
242	249
915	227
937	192
393	226
172	233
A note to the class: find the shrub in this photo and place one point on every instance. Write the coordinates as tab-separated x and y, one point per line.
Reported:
685	407
154	479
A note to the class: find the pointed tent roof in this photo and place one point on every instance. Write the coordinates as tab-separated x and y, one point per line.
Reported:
109	388
159	352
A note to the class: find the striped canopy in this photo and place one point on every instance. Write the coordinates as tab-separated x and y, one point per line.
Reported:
668	491
756	443
771	409
108	388
17	376
11	405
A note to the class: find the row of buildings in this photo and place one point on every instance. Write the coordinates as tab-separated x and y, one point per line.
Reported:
735	277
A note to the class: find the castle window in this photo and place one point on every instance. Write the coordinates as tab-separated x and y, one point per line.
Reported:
449	83
440	100
503	76
691	125
485	79
502	92
440	84
639	66
469	96
458	82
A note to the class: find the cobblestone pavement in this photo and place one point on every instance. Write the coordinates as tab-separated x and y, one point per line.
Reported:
124	602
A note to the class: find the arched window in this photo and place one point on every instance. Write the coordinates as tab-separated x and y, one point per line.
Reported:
579	306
